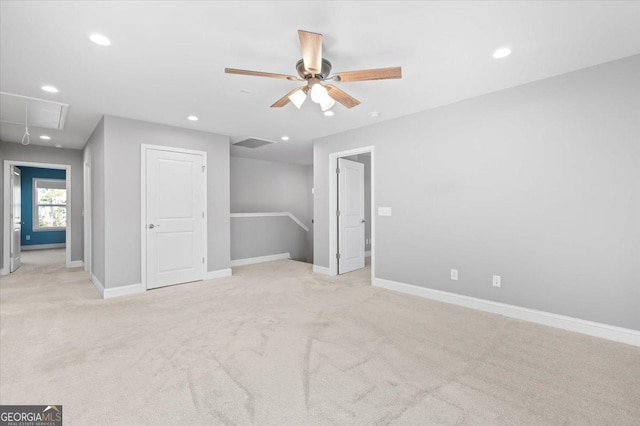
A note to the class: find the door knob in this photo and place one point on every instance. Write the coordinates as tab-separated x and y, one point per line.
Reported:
362	221
152	226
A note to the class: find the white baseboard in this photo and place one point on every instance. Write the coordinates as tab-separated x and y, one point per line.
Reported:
604	331
42	246
260	259
367	254
4	271
321	270
124	290
220	273
76	264
98	285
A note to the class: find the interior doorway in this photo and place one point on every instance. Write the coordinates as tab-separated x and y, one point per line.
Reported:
174	216
351	220
15	197
51	212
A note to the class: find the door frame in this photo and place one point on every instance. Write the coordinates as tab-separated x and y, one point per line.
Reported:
333	206
12	211
143	204
86	214
7	206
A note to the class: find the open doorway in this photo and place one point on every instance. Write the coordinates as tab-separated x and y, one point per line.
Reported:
37	226
351	201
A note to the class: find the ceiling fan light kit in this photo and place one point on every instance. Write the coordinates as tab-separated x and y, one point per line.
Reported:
314	69
298	96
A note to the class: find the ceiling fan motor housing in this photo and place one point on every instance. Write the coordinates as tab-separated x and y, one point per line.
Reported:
324	72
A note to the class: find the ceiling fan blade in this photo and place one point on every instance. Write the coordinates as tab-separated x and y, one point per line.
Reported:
342	97
261	74
311	44
374	74
285	99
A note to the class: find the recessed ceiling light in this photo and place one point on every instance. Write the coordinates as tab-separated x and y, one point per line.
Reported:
192	118
58	145
45	137
285	138
49	89
100	39
374	114
502	52
329	113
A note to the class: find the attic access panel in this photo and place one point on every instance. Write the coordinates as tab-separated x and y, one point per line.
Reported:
41	113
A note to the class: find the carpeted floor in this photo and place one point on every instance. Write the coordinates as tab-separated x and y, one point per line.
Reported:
278	345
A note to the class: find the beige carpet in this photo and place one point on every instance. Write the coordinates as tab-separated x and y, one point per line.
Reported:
275	345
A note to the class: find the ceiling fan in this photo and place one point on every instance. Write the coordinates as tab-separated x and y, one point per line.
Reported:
315	70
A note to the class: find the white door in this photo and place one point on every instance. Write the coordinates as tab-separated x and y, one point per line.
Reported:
16	218
351	216
175	216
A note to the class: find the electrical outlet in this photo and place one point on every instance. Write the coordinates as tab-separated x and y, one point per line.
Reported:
454	274
28	237
497	281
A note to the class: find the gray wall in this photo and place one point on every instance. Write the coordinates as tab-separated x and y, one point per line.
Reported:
42	154
539	184
123	139
94	155
268	186
263	236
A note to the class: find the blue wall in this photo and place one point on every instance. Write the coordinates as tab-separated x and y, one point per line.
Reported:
40	237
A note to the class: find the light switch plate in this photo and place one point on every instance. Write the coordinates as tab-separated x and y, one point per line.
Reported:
384	211
497	281
454	274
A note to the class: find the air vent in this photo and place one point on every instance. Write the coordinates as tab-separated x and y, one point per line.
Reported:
253	143
42	113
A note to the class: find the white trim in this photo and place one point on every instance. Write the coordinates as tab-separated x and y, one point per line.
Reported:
220	273
143	204
43	246
367	253
260	259
333	195
271	214
98	285
7	224
604	331
321	270
125	290
4	271
76	264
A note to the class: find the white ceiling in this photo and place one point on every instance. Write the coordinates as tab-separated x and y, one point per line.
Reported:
167	59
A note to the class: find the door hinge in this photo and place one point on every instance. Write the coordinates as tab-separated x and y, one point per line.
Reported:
338	256
337	212
203	260
203	215
338	170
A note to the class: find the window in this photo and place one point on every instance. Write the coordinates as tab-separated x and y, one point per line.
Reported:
49	204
